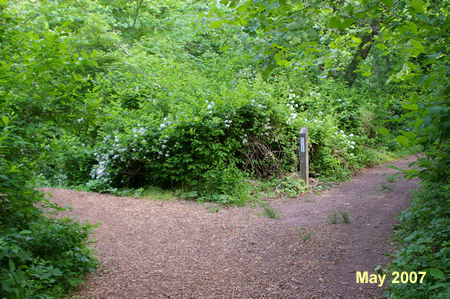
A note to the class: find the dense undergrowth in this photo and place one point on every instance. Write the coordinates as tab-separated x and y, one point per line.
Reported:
424	233
40	256
208	98
424	228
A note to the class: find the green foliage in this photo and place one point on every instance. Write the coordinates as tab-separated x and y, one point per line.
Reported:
204	97
172	108
15	208
73	165
213	209
253	127
400	47
289	185
226	186
157	193
345	217
332	219
46	259
423	233
40	256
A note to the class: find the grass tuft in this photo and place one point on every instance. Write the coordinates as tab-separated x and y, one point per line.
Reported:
305	234
336	218
271	213
345	217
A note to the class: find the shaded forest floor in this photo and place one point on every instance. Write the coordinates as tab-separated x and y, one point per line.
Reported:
177	249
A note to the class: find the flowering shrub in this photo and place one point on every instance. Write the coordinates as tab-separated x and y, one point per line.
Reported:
183	149
332	150
197	144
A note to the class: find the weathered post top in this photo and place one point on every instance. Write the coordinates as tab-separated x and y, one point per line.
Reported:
303	155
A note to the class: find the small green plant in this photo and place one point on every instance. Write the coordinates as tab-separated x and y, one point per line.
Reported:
190	195
225	185
305	234
345	218
391	178
387	187
336	218
332	219
290	186
213	209
271	213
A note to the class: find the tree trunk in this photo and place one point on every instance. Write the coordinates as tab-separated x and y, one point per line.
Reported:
360	55
388	63
137	13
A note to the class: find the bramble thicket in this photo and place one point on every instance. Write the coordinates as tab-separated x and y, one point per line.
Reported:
207	97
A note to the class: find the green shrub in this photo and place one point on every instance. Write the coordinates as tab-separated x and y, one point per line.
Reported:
186	149
226	185
39	256
46	259
332	153
180	141
77	165
423	233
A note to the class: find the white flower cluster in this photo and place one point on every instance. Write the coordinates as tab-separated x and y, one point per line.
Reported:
248	73
164	151
244	140
267	126
293	96
99	172
139	131
346	140
292	105
114	151
165	123
227	122
210	106
260	106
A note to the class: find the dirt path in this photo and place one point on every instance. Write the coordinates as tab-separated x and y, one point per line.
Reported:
176	249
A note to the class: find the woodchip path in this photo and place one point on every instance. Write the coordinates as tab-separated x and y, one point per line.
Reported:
177	249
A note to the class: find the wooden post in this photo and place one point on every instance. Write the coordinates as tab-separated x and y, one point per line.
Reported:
303	155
